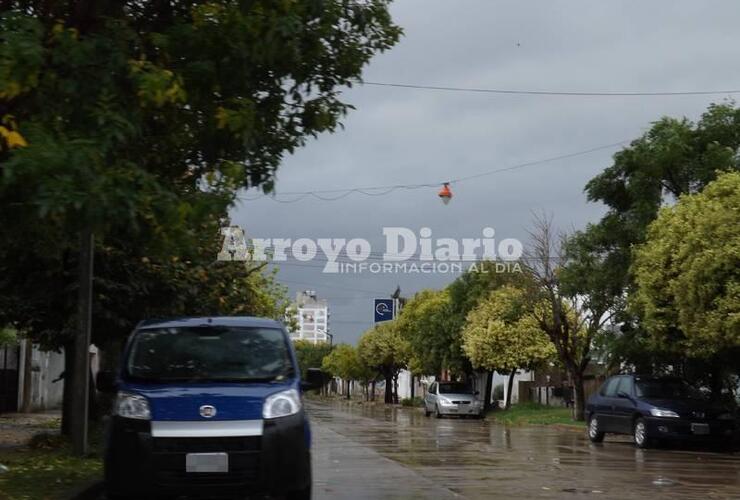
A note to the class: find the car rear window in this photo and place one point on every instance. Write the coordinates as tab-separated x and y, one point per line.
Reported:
210	353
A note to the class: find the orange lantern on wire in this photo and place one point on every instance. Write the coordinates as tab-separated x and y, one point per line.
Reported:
445	193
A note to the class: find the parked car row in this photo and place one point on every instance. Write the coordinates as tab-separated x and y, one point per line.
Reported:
651	409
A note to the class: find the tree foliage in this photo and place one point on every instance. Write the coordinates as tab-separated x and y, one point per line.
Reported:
311	355
465	293
425	322
141	120
345	362
688	273
502	334
384	350
674	157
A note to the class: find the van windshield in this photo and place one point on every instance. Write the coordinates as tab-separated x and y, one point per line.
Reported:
209	354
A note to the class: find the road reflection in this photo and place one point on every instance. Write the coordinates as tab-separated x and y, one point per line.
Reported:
477	458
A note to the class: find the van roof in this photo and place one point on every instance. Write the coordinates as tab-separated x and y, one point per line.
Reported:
210	320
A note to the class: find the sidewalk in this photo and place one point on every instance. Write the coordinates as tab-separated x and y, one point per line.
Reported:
17	429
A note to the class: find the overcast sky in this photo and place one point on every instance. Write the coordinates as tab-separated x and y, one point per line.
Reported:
407	136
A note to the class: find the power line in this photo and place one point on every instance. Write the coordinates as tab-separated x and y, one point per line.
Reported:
387	189
568	93
538	162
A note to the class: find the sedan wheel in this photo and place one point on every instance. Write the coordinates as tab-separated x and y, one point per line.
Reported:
594	433
640	434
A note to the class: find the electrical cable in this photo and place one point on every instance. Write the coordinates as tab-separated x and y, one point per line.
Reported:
384	190
565	93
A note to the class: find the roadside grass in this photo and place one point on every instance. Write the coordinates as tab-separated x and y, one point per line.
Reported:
46	469
535	414
413	402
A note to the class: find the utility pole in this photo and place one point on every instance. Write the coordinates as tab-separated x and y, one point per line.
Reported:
80	374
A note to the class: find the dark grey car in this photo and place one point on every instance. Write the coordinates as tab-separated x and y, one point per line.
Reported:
452	398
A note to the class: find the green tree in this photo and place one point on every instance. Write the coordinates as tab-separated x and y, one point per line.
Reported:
688	277
502	334
311	355
675	157
344	362
384	350
139	121
466	292
425	322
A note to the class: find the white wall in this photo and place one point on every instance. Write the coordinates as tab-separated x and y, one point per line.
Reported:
46	366
522	375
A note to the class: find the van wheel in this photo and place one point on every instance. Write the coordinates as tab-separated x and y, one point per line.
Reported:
594	432
639	434
426	412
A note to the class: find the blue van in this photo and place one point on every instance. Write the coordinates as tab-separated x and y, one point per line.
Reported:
208	407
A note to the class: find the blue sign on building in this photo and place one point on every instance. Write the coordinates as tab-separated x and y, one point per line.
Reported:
384	310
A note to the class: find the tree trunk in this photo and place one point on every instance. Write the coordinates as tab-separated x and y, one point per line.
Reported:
79	378
69	362
349	389
412	387
389	389
26	390
580	396
510	388
395	389
372	391
487	391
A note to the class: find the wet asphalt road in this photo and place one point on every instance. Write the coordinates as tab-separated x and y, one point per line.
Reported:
363	452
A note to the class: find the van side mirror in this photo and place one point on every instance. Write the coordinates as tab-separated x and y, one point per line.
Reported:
624	395
312	379
105	381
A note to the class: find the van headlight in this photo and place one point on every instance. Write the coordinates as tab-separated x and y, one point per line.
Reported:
282	404
658	412
129	405
445	402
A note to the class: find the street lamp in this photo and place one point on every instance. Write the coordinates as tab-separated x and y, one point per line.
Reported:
445	193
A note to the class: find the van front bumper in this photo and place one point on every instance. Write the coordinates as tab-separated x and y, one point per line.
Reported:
275	462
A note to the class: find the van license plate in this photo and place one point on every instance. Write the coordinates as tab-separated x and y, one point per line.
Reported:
207	462
700	429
